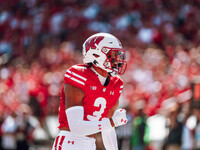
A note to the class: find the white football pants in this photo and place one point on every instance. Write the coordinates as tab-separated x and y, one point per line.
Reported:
66	141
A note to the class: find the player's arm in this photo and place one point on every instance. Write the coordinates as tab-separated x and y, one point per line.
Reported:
75	113
73	96
112	109
109	135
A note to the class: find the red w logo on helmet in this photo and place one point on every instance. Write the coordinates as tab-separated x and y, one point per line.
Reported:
92	42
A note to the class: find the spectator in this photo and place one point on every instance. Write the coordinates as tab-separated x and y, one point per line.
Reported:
24	128
9	128
174	138
140	129
1	122
197	130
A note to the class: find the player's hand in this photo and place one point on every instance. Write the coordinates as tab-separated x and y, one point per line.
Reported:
119	117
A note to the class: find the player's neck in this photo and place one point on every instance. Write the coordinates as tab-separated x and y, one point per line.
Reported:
100	71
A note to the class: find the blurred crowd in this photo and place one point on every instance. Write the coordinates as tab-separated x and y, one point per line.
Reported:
40	39
28	25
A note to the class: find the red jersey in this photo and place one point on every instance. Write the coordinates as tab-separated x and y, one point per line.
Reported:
98	99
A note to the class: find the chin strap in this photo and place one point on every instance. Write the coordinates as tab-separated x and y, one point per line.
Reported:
107	81
113	73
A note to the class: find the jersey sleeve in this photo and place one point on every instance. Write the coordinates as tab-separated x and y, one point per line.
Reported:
75	76
121	88
119	84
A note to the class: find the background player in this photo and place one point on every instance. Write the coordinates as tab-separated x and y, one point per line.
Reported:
89	96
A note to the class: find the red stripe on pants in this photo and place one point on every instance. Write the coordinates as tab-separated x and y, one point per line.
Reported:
56	142
61	142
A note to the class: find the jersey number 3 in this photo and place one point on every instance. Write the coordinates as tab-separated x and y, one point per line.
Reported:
98	114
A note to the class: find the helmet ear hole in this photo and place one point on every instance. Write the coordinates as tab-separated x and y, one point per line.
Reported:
95	55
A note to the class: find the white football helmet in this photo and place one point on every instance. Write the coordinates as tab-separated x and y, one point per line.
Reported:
105	51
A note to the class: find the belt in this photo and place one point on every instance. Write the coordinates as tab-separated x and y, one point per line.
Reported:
67	129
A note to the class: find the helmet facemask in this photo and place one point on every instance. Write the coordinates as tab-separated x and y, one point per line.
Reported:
115	62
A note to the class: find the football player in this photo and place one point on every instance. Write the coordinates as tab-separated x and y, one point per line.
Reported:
89	96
